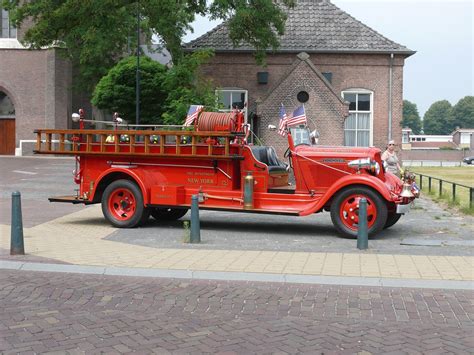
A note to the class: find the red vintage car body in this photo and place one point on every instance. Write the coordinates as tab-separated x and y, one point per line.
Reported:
168	174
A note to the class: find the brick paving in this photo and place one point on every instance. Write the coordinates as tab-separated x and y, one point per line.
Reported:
78	314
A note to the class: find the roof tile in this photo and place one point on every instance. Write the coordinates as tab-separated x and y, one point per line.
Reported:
312	26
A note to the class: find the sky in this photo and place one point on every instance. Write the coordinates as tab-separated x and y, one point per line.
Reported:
440	31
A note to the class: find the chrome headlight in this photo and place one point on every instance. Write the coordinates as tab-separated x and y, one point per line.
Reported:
366	163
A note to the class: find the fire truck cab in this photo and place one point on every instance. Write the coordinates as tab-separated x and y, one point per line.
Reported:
137	173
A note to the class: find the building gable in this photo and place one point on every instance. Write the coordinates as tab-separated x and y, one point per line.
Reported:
325	109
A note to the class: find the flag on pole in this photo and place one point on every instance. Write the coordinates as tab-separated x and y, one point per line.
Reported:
299	117
192	114
283	120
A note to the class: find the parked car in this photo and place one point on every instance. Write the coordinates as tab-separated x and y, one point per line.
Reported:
468	160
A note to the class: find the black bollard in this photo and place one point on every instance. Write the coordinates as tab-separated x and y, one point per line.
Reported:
195	225
17	246
362	230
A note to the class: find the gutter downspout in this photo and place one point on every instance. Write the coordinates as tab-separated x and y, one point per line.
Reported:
390	80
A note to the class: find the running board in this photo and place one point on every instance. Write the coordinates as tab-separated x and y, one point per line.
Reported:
69	199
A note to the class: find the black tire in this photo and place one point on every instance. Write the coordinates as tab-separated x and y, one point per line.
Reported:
122	204
168	214
145	216
392	218
376	209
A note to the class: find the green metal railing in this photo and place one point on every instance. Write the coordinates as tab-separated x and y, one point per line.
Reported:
454	187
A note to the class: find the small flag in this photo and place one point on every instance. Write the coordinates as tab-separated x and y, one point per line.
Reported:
283	120
192	114
299	117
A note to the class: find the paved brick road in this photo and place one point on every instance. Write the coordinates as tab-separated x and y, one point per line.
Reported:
51	312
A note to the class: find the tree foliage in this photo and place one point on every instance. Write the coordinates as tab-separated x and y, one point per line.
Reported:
462	114
166	93
437	120
115	92
97	33
186	86
411	117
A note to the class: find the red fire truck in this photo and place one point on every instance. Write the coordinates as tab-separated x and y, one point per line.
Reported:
135	173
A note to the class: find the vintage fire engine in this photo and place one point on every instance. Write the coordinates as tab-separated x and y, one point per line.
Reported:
137	172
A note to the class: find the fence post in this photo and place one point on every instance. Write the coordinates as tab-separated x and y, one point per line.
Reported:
362	230
429	184
454	192
17	245
471	196
440	187
421	182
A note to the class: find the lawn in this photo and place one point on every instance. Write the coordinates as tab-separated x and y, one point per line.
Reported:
463	175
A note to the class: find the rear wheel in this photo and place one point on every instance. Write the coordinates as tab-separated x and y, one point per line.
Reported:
345	211
122	204
168	214
392	218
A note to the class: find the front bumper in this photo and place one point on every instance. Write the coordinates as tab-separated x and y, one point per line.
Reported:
402	209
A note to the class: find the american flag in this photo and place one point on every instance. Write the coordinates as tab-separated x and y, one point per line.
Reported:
192	114
299	117
283	120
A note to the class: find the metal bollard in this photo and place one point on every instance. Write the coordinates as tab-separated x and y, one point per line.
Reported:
195	226
362	230
17	246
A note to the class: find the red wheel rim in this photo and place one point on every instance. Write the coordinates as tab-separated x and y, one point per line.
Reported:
349	211
122	204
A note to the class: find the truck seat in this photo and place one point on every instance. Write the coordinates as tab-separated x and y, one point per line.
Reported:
267	155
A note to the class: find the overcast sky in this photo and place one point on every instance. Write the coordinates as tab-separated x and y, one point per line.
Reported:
441	31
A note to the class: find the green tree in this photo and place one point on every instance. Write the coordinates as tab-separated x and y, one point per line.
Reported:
437	120
186	86
166	94
115	92
97	33
462	114
411	117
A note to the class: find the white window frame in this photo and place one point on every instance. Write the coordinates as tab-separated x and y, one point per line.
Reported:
371	112
240	90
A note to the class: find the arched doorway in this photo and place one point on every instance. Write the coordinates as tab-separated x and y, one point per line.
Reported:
7	125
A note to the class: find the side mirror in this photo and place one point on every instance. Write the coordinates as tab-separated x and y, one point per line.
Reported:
271	127
314	135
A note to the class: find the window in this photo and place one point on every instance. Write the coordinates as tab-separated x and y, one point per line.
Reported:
302	97
405	137
6	28
358	125
231	99
7	110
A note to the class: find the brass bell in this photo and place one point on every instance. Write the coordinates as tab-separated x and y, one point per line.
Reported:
406	191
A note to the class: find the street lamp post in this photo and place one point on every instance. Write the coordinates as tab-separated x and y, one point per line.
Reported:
137	88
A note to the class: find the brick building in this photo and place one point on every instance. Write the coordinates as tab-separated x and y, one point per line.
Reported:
349	77
34	88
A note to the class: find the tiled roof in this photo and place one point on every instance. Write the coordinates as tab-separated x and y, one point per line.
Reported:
312	26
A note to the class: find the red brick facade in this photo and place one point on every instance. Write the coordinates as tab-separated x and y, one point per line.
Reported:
38	82
289	74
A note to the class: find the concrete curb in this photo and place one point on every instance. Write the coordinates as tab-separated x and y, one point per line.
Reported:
238	276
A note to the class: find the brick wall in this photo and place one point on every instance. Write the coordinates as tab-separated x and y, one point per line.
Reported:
365	71
38	82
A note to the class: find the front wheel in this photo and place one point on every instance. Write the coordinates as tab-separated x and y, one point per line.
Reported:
345	211
122	204
392	218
